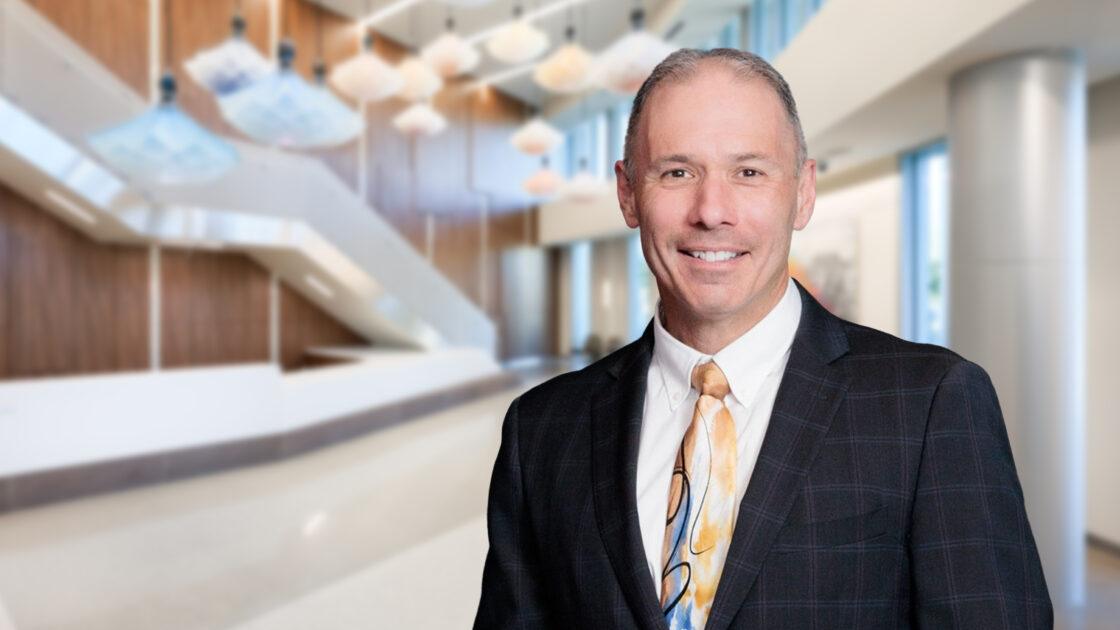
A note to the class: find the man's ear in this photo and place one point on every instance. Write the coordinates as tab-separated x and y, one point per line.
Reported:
625	195
806	194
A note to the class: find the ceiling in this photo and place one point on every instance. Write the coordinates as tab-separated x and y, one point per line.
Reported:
598	23
901	115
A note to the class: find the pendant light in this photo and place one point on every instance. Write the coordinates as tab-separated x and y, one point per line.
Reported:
284	110
517	42
449	55
583	187
536	137
229	66
366	77
420	82
566	71
545	182
626	64
420	119
164	145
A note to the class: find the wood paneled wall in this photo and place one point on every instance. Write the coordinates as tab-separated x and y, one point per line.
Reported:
303	325
214	308
114	31
67	305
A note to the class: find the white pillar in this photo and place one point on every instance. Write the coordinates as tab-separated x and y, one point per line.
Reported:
1017	143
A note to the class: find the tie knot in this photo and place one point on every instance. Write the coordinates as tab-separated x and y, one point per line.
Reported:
710	380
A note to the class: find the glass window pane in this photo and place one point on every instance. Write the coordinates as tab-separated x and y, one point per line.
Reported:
581	293
925	175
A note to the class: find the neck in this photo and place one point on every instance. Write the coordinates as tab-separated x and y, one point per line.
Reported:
712	335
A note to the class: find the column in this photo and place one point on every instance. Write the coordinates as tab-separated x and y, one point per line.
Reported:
1017	145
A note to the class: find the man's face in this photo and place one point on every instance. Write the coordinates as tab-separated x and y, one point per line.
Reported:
716	174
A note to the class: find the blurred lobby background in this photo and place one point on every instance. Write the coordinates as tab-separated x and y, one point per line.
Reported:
259	324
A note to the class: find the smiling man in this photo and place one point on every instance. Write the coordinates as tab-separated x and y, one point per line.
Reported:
751	461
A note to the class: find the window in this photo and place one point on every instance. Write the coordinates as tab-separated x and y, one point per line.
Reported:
639	289
580	253
925	225
619	119
774	23
587	140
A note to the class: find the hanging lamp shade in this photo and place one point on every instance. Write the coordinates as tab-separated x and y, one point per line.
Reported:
536	137
229	66
366	76
420	81
449	55
545	182
567	70
164	145
517	42
626	64
420	119
583	187
284	110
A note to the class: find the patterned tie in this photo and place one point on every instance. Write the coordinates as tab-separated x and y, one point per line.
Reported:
701	505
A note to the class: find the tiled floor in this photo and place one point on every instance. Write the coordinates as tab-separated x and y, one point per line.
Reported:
387	531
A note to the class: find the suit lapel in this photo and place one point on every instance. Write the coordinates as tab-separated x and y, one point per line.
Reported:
811	389
616	424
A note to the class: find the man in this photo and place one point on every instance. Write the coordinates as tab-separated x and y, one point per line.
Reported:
752	461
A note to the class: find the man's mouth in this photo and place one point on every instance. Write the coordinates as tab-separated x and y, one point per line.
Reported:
709	255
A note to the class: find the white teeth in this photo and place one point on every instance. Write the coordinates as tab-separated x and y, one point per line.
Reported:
714	256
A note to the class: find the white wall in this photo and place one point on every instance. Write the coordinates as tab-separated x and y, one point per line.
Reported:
1103	335
49	423
869	209
564	220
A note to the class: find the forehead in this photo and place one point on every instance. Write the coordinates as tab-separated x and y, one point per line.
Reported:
716	111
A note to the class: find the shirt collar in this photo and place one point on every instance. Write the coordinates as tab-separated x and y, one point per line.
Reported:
746	361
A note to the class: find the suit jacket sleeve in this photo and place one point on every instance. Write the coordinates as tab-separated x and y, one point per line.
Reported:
974	563
511	590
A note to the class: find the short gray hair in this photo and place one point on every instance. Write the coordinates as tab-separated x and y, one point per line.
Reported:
682	65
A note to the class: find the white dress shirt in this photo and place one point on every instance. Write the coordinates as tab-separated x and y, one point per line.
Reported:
753	364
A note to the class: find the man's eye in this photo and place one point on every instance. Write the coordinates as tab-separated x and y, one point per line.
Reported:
749	172
677	173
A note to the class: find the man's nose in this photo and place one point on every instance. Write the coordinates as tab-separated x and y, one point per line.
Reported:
713	204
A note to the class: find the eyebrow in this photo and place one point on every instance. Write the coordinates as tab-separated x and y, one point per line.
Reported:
678	158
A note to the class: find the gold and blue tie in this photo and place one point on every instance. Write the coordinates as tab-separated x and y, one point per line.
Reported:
701	511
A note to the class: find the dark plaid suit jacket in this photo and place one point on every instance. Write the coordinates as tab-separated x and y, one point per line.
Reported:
885	496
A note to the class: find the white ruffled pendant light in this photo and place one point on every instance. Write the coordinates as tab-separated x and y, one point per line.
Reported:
420	119
583	187
284	110
449	55
517	42
626	64
566	71
545	182
366	77
420	82
229	66
164	145
536	137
